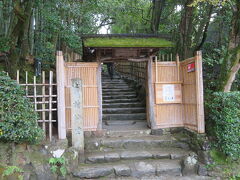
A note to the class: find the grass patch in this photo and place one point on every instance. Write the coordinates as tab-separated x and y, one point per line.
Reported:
127	42
219	157
227	167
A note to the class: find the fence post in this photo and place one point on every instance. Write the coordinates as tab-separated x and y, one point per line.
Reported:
150	94
77	115
60	96
199	93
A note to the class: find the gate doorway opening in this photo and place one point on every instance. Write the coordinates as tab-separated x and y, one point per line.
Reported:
124	96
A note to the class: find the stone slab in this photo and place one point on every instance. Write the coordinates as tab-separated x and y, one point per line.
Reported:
95	172
143	168
110	157
122	170
135	155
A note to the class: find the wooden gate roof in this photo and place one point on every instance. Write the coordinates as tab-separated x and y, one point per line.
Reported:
123	46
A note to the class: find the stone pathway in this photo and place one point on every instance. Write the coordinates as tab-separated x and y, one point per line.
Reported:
128	149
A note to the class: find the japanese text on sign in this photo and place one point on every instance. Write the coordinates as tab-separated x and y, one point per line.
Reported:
168	93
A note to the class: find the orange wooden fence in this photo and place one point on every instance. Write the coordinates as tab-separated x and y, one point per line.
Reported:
174	93
87	73
178	94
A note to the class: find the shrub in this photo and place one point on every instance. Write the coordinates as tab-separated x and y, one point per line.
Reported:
224	113
18	120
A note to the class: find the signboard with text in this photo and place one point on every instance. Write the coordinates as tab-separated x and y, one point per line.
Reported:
168	93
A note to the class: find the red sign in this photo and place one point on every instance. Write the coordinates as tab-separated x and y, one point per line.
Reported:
191	67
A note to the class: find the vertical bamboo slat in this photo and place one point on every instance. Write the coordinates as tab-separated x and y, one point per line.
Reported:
178	67
35	93
26	81
43	102
50	104
18	76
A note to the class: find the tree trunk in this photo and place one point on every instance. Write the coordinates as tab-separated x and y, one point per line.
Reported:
19	42
186	26
203	31
157	9
231	63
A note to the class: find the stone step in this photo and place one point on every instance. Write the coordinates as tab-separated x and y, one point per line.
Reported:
120	96
125	122
133	116
113	93
120	101
123	105
123	130
114	82
124	110
135	154
116	87
161	177
131	168
137	142
117	90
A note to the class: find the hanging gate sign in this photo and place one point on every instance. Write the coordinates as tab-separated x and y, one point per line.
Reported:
191	67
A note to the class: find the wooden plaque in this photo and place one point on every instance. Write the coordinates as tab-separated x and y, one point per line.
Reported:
168	93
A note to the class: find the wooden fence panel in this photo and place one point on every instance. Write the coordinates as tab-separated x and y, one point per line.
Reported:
193	93
87	72
42	93
167	114
134	70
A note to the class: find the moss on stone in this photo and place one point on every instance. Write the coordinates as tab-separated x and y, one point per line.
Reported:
127	42
218	157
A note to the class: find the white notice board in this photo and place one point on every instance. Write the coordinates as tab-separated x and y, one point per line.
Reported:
168	93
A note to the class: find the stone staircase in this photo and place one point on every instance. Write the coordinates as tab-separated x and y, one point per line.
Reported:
135	155
127	149
120	103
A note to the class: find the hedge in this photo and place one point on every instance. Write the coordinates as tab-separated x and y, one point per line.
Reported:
18	120
224	114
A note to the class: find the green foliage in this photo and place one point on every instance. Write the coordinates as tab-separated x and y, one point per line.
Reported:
58	166
11	170
223	111
213	2
18	120
4	44
212	61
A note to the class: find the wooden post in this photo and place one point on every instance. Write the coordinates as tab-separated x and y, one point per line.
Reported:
156	70
150	94
178	67
199	93
99	86
35	93
26	81
43	102
61	96
18	76
50	104
77	115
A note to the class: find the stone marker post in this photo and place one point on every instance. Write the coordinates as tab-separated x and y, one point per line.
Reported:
77	115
